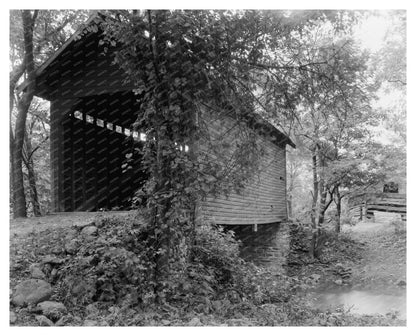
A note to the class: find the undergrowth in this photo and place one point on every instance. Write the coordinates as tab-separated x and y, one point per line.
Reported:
109	278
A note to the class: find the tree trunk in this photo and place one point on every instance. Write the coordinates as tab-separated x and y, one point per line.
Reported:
14	78
31	177
289	206
19	199
312	247
323	193
338	204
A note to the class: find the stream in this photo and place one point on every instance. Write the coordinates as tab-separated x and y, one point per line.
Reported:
362	302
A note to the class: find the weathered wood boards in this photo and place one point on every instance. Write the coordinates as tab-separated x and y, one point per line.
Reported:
263	199
364	205
92	112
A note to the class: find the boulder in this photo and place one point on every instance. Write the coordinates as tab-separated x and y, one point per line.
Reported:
52	260
63	321
315	277
91	309
36	272
83	225
195	322
89	231
52	310
71	247
338	282
57	250
401	283
90	323
44	321
31	291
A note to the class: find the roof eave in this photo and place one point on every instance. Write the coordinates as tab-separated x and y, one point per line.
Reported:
39	71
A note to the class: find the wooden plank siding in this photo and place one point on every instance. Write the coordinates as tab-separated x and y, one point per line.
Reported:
263	199
364	205
86	158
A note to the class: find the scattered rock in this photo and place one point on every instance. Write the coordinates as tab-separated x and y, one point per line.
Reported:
81	226
90	323
44	321
401	283
338	282
52	310
31	291
89	231
114	310
239	322
166	322
49	259
315	277
57	250
71	247
36	272
195	322
103	323
82	288
91	309
13	317
63	321
54	272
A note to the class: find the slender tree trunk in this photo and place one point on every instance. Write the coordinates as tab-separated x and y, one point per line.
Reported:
323	193
31	177
19	198
338	204
315	192
289	206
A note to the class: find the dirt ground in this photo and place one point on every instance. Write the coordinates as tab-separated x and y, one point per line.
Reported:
22	226
383	265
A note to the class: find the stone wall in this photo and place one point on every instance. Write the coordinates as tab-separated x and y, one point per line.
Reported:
268	246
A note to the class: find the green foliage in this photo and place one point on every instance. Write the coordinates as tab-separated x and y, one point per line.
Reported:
114	266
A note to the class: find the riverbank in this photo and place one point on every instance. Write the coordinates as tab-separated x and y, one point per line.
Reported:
364	269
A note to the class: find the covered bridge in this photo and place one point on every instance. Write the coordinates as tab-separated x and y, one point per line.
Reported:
92	112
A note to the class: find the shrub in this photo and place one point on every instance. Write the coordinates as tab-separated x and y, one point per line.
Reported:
113	266
399	226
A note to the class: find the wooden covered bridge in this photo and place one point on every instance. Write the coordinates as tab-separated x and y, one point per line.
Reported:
92	112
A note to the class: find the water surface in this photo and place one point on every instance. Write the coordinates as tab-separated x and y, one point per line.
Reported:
363	302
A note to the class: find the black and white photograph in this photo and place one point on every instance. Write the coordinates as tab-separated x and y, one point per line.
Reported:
206	167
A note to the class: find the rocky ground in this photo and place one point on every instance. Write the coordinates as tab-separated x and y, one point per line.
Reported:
34	261
366	256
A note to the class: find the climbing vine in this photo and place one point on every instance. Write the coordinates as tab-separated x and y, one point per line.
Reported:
181	74
186	66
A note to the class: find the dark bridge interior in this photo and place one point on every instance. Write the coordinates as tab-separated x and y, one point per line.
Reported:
97	137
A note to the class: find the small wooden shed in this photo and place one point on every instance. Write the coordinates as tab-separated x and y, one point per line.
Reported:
92	111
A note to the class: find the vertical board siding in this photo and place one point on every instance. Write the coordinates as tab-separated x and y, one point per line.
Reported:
263	200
